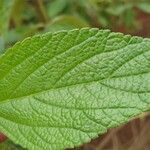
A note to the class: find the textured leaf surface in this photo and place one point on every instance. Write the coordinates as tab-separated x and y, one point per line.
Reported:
61	89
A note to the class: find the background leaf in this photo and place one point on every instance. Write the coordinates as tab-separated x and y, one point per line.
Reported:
66	22
145	6
56	7
5	10
2	45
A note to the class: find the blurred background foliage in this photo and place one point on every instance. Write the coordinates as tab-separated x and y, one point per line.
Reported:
22	18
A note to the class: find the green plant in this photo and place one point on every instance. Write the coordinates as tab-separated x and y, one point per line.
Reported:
59	90
22	18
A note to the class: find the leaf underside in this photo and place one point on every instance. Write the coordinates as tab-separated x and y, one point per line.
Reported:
59	90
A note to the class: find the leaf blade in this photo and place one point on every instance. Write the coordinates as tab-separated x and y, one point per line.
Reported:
72	85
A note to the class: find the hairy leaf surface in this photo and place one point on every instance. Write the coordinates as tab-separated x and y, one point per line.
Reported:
59	90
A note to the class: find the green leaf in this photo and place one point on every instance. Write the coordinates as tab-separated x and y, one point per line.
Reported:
55	7
66	22
22	32
144	6
9	145
61	89
2	44
120	9
5	10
